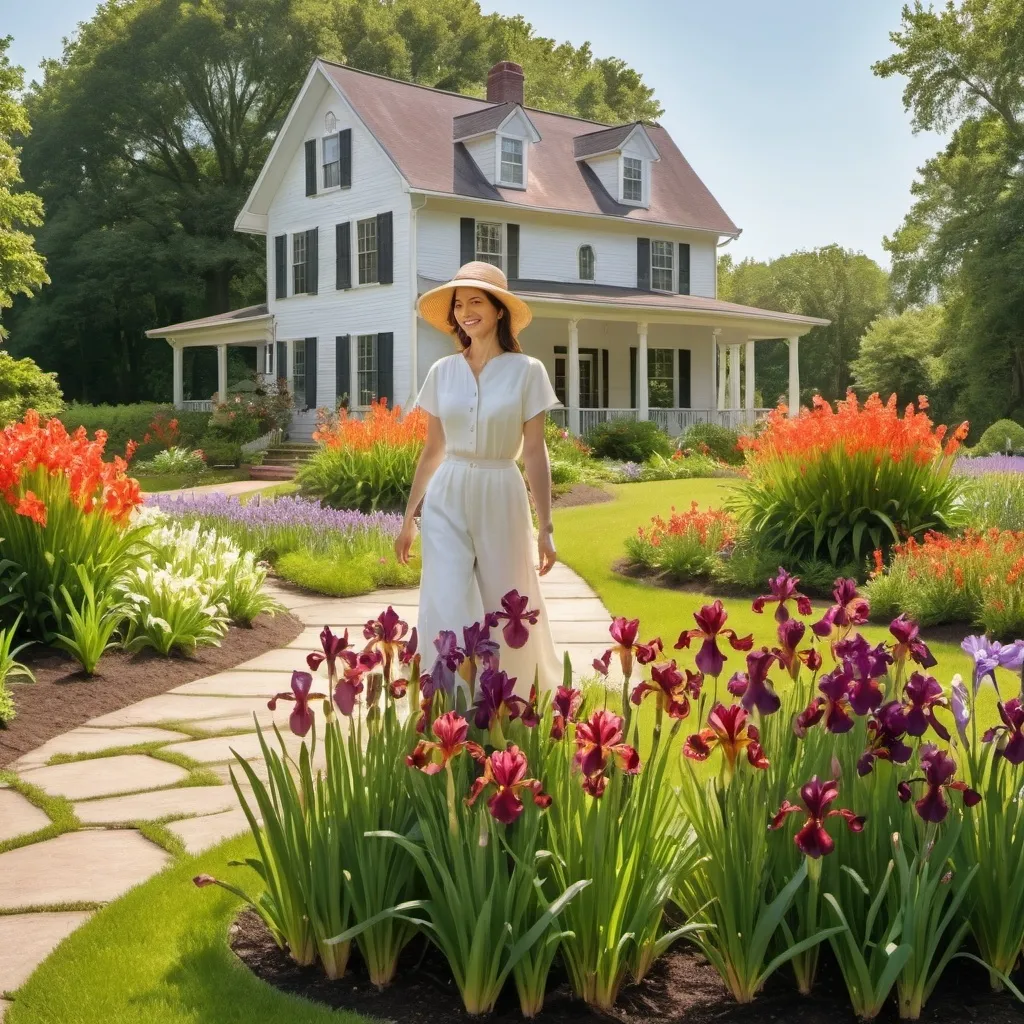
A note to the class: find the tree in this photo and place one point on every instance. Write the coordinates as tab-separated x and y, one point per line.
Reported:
22	269
847	288
24	386
963	238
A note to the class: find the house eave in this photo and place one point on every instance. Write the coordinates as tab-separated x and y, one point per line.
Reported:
251	223
255	330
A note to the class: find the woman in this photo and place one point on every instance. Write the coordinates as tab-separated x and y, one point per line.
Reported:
485	405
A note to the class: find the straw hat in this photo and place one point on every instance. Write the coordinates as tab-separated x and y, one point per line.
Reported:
435	304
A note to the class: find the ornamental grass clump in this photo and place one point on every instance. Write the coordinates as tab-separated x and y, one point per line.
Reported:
838	484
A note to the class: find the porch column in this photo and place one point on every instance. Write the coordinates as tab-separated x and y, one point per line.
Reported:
643	411
222	374
178	375
573	382
720	351
794	375
734	376
289	370
748	373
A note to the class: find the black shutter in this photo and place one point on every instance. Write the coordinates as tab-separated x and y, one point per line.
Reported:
281	361
342	376
604	377
312	260
343	256
281	266
513	252
684	377
467	240
385	249
311	167
345	157
684	272
311	373
643	264
632	377
385	367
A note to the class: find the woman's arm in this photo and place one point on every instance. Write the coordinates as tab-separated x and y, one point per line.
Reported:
538	475
430	458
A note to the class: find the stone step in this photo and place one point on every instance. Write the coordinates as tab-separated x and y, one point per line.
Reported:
272	472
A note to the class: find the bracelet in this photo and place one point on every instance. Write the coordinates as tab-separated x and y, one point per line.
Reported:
546	529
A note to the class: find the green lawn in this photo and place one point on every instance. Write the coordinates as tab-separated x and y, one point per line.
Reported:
174	482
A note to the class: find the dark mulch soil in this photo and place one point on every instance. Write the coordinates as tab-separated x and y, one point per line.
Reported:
62	697
582	494
681	989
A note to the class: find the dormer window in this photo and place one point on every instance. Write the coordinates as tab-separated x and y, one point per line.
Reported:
632	180
511	161
586	260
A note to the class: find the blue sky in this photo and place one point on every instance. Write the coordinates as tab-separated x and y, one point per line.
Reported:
774	104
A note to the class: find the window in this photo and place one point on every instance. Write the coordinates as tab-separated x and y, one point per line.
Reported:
511	161
488	242
366	233
586	257
560	379
366	368
632	179
299	258
299	371
332	161
660	382
661	266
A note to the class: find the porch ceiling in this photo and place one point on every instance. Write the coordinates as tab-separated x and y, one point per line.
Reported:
568	300
253	325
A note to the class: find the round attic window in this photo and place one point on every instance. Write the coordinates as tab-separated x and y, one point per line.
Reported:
330	122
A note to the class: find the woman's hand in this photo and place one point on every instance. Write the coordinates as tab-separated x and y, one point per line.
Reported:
546	551
404	541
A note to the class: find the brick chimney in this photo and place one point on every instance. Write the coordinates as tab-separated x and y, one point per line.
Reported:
505	83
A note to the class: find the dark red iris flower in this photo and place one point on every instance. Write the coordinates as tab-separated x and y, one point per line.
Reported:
598	741
939	768
386	637
450	732
783	590
410	650
1011	743
886	729
833	705
496	696
516	615
505	770
333	648
566	706
711	621
790	633
730	731
752	686
921	696
672	687
813	839
909	643
602	664
301	719
478	650
624	632
865	665
849	610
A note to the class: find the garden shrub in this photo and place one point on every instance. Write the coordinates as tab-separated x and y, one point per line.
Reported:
686	546
683	464
563	446
11	671
24	386
219	451
629	440
995	498
993	440
175	461
342	576
365	464
152	426
836	485
716	440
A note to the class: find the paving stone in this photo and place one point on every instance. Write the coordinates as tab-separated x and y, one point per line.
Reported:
243	723
342	611
88	866
104	776
170	707
200	834
565	588
150	806
18	817
217	749
26	940
284	659
586	632
87	740
563	609
249	683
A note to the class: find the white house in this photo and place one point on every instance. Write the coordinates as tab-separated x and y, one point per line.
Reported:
376	189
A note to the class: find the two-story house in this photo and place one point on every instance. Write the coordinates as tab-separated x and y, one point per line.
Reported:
375	190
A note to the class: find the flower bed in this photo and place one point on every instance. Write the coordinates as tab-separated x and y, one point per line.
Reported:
862	805
686	546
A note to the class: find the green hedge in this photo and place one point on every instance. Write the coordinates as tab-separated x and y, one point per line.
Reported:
993	441
131	422
722	442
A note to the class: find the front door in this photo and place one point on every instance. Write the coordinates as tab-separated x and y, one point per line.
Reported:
588	381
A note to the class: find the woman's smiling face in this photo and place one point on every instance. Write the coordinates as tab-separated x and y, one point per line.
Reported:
475	313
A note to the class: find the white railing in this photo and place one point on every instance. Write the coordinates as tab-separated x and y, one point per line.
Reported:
264	441
590	418
672	421
197	405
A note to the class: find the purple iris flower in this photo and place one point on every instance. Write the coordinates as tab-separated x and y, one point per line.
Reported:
909	642
783	590
989	655
753	686
961	706
449	657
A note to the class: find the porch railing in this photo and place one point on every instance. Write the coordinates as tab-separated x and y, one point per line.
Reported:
672	421
197	405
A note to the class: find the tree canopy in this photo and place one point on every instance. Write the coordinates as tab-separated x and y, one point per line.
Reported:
152	126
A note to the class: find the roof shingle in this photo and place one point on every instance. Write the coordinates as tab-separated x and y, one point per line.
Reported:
477	121
602	141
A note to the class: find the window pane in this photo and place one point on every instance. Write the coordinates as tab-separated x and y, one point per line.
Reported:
632	179
512	161
366	368
586	263
299	262
560	379
661	266
299	371
366	231
332	161
488	242
660	380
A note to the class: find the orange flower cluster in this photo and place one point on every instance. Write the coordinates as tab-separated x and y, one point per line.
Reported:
381	426
694	524
874	427
987	556
93	484
163	430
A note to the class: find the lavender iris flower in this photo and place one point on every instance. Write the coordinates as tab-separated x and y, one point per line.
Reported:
989	655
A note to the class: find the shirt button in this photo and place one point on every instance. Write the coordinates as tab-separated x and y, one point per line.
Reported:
472	428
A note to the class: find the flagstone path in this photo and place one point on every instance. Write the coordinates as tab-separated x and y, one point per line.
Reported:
49	886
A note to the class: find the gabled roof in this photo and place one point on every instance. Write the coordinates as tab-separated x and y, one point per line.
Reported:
606	140
414	124
248	314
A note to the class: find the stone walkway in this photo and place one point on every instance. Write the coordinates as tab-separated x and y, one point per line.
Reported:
49	887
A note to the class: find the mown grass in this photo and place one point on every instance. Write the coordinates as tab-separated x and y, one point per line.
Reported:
177	481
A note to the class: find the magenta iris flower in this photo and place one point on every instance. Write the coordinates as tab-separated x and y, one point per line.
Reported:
790	633
833	705
865	665
333	647
496	694
849	610
711	621
1011	743
301	719
505	770
783	590
813	839
752	686
566	705
886	729
921	696
516	615
449	657
672	687
909	643
938	767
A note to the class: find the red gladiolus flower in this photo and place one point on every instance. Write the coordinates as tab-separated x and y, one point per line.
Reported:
1011	746
711	621
496	695
450	731
813	839
32	508
505	770
301	719
566	705
730	732
938	767
885	732
672	688
783	590
921	696
849	610
599	740
515	613
752	686
909	643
